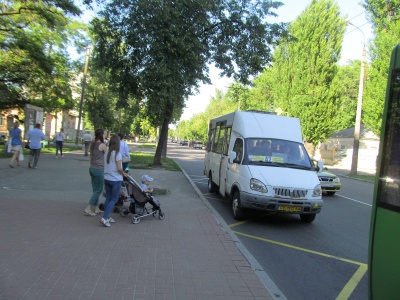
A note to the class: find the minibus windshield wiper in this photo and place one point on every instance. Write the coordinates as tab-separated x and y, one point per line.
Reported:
280	164
296	166
268	163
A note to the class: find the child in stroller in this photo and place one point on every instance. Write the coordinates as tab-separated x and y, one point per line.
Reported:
146	179
138	200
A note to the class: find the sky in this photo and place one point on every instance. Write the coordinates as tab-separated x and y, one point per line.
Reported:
352	47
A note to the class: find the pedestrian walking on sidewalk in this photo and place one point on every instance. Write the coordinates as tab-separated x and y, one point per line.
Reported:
113	175
35	137
87	139
124	150
16	143
96	171
59	138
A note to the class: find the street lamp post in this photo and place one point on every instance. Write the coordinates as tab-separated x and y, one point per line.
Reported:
357	127
82	95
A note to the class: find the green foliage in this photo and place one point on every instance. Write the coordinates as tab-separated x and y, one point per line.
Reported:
100	101
147	146
345	85
159	51
33	59
145	160
305	77
384	17
261	94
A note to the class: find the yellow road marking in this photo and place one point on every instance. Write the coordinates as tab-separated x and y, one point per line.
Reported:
300	249
237	224
244	222
353	282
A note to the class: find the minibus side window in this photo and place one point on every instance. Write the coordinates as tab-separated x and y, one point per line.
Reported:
211	135
219	138
216	137
238	148
227	140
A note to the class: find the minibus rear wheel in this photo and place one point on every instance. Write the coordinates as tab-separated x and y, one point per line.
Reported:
212	187
237	210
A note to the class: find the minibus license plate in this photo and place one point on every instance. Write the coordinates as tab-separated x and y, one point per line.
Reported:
289	208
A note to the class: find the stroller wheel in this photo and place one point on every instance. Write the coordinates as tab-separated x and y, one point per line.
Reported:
161	215
101	206
124	212
135	219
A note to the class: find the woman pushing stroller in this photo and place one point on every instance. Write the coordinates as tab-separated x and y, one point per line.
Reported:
113	175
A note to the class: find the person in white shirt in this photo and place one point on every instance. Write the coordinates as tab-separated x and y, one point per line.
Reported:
124	150
59	138
35	138
87	139
113	175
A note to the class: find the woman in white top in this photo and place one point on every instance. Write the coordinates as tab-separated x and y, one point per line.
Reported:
59	138
113	173
124	151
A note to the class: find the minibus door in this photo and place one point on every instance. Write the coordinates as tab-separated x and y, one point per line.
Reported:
222	174
224	165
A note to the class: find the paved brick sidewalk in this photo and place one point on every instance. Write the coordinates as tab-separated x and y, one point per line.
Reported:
50	250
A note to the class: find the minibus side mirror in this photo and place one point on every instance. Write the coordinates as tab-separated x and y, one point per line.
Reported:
318	165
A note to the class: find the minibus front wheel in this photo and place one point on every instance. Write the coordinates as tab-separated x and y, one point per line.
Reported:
237	210
307	218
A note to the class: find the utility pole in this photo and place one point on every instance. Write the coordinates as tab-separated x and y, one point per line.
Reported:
82	95
357	127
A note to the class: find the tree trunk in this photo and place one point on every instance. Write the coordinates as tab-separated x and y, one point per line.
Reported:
162	142
164	151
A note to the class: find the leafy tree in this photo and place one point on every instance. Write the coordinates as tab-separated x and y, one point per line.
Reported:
160	50
305	67
100	101
345	85
220	104
383	15
238	94
261	93
33	37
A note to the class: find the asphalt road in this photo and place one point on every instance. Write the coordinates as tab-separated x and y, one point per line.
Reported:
323	260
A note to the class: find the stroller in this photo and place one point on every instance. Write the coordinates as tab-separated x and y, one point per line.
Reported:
138	199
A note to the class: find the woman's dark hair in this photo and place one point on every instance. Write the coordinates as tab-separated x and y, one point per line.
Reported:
113	145
98	137
121	136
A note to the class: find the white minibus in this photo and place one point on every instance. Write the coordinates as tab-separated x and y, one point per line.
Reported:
259	161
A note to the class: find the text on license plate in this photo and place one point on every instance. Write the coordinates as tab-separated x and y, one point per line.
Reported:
289	208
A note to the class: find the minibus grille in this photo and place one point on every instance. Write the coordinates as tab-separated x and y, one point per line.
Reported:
290	193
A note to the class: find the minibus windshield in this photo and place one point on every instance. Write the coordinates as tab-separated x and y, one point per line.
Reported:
275	152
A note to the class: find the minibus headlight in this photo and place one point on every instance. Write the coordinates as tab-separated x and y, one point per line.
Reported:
336	179
317	192
258	186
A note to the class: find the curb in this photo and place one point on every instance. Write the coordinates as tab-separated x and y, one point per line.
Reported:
359	179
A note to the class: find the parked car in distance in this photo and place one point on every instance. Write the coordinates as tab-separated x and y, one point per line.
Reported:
198	145
184	143
341	153
330	183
